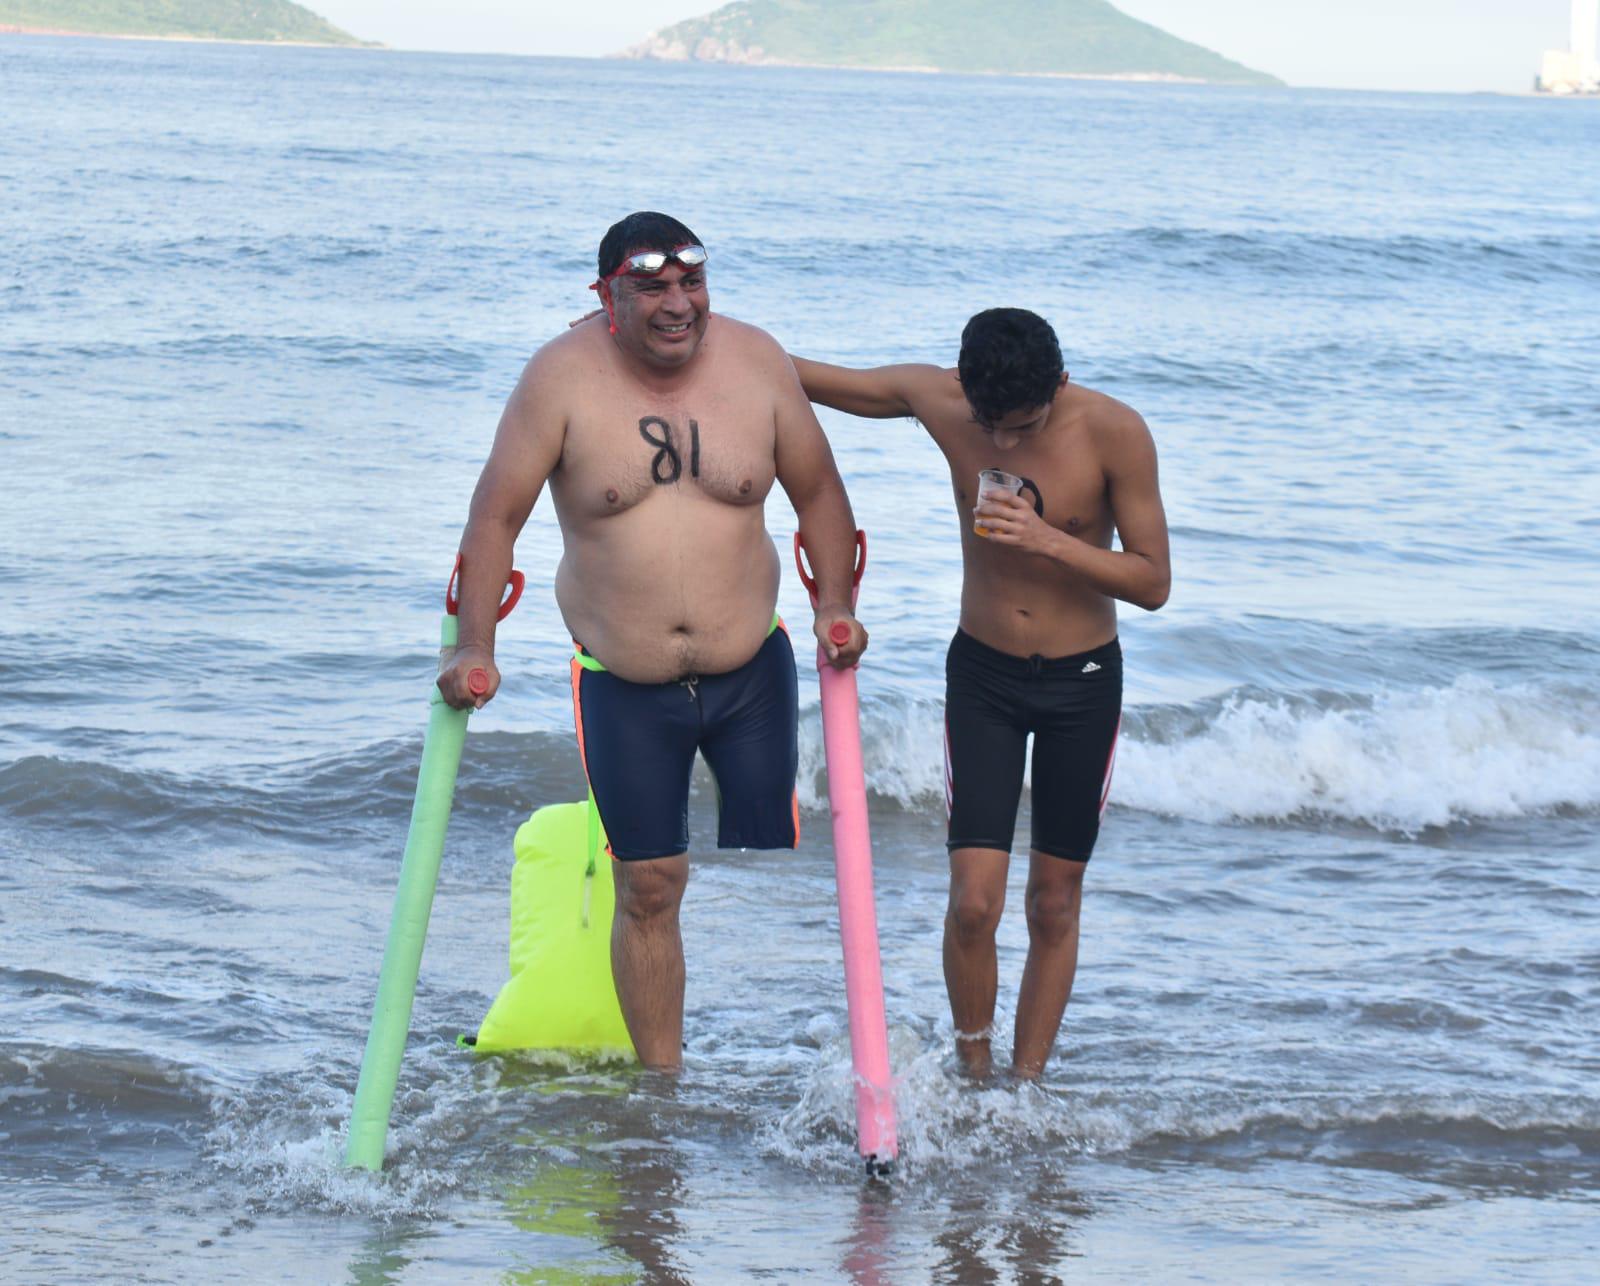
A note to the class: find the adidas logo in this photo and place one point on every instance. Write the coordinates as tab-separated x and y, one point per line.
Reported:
1090	668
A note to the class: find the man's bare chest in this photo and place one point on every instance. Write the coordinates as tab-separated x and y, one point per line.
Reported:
619	456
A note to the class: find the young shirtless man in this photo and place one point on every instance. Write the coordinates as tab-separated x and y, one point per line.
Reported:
1036	651
660	430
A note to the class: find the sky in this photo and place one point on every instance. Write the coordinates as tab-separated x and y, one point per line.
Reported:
1438	45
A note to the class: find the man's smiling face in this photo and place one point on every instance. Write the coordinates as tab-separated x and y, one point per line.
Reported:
661	318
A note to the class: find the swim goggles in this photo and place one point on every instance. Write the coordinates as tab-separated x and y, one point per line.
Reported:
647	263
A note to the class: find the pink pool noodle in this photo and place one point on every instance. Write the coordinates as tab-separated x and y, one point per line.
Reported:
858	919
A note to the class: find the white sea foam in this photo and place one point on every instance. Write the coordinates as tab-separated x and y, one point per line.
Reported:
283	1141
947	1124
902	747
1402	760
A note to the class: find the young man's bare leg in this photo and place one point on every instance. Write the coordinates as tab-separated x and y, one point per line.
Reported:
1054	898
647	957
977	897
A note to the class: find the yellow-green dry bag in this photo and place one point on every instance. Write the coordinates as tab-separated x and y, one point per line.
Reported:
561	995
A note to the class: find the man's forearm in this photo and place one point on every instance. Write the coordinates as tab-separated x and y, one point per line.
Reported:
486	551
814	380
860	393
1131	577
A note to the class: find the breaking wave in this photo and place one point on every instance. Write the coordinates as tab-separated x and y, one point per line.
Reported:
1402	760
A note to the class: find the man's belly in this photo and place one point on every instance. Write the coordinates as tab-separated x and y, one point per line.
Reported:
655	605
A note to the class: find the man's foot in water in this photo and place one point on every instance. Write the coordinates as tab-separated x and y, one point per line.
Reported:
973	1057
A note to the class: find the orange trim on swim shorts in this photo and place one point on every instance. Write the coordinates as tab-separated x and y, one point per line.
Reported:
577	714
577	721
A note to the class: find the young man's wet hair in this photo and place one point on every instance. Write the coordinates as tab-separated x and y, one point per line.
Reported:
642	230
1010	361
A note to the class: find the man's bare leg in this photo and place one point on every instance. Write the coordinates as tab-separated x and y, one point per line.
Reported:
977	897
1055	895
647	957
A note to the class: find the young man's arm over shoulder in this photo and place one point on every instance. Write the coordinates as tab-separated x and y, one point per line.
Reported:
1141	571
527	448
808	474
876	393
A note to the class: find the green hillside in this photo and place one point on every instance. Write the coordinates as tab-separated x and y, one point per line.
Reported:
216	19
1042	37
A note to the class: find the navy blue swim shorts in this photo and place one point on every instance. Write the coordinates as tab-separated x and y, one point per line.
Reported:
638	742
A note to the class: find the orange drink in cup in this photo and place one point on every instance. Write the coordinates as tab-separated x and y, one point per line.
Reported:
994	482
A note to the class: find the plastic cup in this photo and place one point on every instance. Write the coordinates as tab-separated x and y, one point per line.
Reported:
994	482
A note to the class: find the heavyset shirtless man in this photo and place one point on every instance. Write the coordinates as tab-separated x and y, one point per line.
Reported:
661	429
1036	651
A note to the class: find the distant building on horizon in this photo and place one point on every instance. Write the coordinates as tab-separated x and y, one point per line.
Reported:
1574	70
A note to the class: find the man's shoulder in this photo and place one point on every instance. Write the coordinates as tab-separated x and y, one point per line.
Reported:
746	341
554	379
565	364
936	399
1121	438
939	387
1107	418
578	345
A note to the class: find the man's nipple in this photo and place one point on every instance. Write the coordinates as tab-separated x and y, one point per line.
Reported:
744	487
611	497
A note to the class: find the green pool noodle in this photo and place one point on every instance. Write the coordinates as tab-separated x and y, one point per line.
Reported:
561	995
408	927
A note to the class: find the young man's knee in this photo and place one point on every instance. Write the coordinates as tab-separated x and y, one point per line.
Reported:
1052	908
975	910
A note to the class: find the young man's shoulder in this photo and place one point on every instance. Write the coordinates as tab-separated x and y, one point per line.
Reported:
1108	419
939	382
936	397
1121	438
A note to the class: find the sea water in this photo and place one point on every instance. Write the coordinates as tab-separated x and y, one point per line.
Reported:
1340	986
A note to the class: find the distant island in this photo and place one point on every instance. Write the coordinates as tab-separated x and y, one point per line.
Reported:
1020	37
272	21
